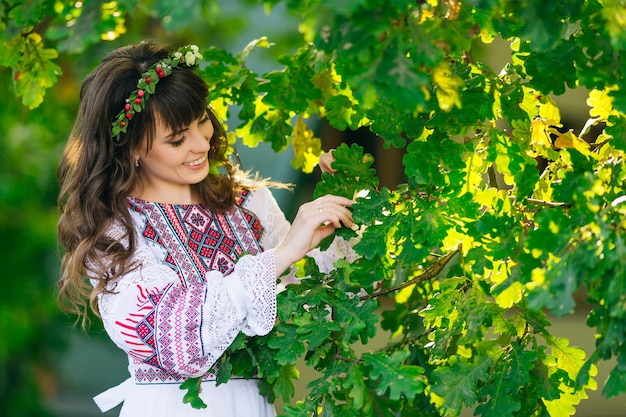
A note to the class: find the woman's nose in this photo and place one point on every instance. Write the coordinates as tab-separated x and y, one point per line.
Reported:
199	142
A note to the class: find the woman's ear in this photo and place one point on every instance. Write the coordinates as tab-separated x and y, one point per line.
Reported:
136	158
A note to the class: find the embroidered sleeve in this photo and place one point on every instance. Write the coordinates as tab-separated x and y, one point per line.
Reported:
185	329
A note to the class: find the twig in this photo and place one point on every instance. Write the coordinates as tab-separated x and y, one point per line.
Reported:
547	203
343	358
429	273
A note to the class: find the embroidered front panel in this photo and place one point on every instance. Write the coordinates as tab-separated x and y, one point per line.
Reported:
145	374
195	240
191	241
151	375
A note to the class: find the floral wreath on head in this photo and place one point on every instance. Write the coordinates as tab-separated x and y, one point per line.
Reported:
188	56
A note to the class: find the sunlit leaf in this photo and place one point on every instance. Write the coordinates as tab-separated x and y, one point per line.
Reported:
447	87
306	147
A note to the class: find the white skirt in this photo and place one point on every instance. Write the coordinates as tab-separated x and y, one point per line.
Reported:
238	397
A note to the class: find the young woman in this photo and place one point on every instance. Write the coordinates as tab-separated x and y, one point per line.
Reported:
174	251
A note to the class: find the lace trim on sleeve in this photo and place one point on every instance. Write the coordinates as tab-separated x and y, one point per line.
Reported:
257	275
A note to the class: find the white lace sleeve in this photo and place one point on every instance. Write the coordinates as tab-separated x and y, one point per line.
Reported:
185	329
275	224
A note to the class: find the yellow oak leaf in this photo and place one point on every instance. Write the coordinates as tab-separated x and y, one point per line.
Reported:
306	147
601	103
448	86
570	140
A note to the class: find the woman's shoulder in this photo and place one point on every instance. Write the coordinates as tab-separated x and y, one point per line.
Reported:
252	198
114	229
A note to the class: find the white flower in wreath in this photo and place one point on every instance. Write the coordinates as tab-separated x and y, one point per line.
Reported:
178	55
190	58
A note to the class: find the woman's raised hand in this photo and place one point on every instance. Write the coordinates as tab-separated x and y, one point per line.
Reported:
314	221
326	159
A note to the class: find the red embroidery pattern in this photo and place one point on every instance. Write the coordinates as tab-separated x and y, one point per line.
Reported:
215	241
192	241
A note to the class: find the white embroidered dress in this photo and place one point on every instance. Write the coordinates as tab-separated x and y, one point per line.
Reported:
187	299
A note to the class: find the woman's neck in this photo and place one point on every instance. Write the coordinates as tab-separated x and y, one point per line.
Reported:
174	196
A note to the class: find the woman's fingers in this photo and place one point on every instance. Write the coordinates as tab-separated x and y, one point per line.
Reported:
326	160
336	216
330	199
314	221
333	209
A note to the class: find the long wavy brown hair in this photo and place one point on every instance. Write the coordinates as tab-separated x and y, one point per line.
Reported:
97	173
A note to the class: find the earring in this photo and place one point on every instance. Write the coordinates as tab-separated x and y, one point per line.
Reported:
136	163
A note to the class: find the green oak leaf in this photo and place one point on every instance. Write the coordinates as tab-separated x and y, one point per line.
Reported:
393	376
502	392
192	397
457	383
354	173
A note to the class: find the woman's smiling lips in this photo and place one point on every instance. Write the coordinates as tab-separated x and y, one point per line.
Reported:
196	163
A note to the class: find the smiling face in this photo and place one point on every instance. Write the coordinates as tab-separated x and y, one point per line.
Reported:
177	160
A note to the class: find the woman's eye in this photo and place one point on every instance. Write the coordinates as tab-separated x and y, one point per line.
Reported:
204	119
178	142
